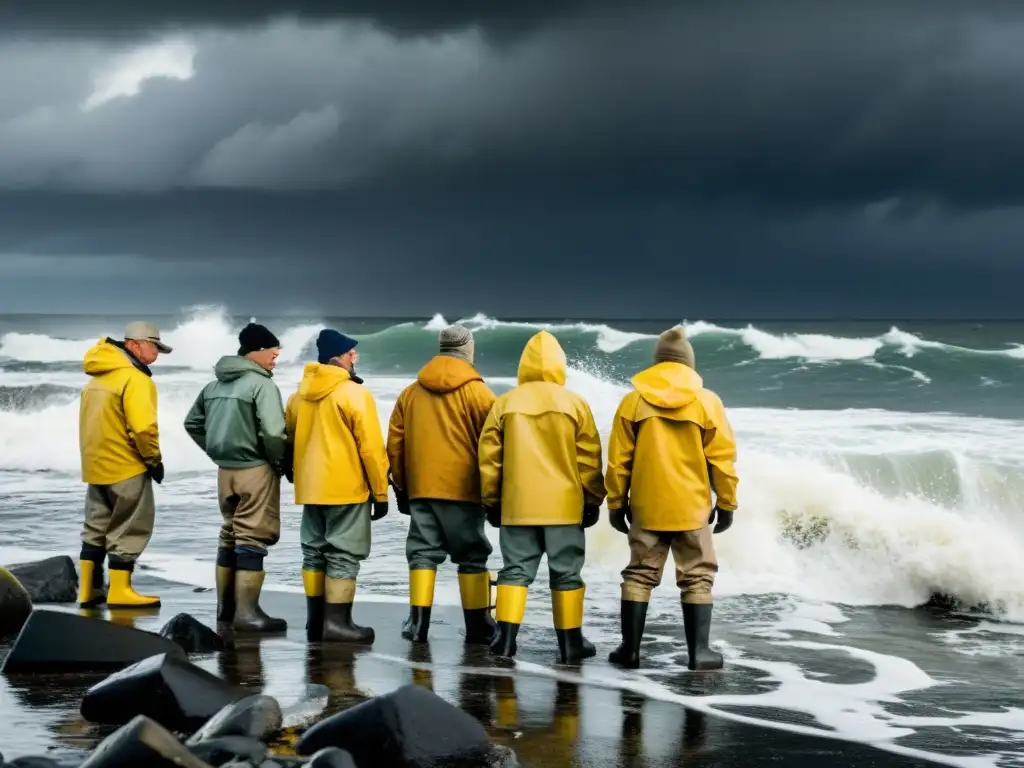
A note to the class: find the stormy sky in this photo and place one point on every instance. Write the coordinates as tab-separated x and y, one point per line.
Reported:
596	158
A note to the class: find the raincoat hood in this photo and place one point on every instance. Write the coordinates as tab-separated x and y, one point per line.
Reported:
542	360
108	355
320	379
668	385
445	373
231	367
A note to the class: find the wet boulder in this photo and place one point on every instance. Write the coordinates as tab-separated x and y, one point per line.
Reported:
257	716
58	641
331	757
32	761
53	580
411	727
192	636
226	749
15	604
170	690
142	742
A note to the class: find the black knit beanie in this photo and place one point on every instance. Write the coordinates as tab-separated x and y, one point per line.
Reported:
255	337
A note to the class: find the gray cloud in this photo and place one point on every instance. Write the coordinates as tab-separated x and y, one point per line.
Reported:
812	103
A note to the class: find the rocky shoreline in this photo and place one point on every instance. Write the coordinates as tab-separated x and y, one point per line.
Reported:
444	698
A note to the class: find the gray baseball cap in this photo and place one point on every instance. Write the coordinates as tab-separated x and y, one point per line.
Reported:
142	331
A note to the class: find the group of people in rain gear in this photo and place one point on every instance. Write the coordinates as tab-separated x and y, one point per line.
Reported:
528	462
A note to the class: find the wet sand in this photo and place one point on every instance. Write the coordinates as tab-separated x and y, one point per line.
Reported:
550	714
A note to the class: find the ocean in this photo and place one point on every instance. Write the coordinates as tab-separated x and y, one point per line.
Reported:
881	465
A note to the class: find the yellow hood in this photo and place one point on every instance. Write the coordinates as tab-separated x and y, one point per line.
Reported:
105	356
542	360
319	380
446	374
668	385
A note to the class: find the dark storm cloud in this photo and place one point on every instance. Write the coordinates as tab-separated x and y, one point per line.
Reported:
115	18
812	103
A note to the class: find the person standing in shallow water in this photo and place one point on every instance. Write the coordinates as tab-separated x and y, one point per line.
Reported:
119	443
671	444
341	481
541	482
238	420
432	446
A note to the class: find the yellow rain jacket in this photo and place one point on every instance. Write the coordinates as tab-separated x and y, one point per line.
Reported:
671	442
118	434
435	429
540	452
338	447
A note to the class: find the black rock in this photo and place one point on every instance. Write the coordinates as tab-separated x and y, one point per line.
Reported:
60	641
142	742
258	716
411	727
230	748
285	761
32	761
178	695
192	636
15	604
332	757
53	580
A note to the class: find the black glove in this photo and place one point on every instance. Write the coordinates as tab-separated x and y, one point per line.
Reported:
591	515
156	472
380	508
617	517
724	519
288	466
402	499
289	474
493	516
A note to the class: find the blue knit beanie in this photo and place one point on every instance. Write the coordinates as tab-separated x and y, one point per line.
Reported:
330	344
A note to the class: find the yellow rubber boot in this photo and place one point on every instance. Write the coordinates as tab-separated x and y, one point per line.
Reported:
314	584
509	610
122	595
421	598
90	584
475	592
567	610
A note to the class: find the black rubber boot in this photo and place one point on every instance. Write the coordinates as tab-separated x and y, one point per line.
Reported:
697	626
249	617
225	585
573	647
504	642
338	626
417	626
634	616
480	626
315	609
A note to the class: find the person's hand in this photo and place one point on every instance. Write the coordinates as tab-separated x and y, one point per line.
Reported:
617	517
402	499
493	516
380	508
724	519
156	472
591	514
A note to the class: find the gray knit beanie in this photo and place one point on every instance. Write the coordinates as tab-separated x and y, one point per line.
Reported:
457	341
672	347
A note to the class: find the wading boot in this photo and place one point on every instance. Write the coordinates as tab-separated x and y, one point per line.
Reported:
338	626
314	584
509	610
634	616
90	582
567	610
249	617
121	594
697	626
475	591
225	585
421	598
